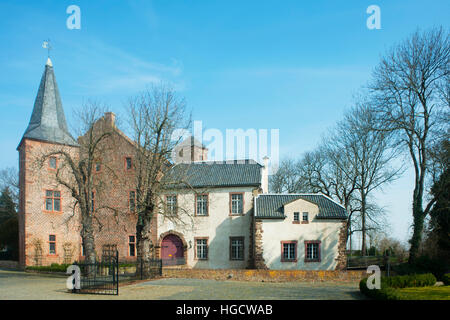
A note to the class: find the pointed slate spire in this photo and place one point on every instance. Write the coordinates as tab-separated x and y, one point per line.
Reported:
48	122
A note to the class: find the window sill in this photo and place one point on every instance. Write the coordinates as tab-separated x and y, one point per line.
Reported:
305	222
289	260
52	212
295	222
312	260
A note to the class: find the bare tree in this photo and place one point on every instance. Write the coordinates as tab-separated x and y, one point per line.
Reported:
365	157
155	115
76	170
409	91
9	178
286	179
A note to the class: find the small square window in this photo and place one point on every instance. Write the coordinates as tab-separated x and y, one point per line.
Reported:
52	201
305	216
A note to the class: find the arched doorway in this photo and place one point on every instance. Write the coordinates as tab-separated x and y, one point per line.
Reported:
172	251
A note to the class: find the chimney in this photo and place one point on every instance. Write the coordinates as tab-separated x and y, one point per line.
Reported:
110	119
265	175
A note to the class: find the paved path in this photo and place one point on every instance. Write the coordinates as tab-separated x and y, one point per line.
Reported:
21	285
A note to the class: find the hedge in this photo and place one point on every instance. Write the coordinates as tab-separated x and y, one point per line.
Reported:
389	284
54	267
446	279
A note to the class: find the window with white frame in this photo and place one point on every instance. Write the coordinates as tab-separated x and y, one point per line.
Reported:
52	201
201	249
52	244
312	251
237	203
202	205
305	216
236	248
171	202
289	251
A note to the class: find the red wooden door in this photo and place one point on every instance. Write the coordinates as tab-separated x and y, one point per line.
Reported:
171	249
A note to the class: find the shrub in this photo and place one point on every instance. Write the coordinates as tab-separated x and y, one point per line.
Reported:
423	264
412	280
446	279
389	284
54	267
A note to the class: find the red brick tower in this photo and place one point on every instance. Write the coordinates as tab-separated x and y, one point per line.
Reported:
46	234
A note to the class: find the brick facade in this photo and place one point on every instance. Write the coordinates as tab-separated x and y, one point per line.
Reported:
114	222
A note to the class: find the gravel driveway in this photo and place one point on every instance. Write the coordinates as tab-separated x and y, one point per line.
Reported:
22	285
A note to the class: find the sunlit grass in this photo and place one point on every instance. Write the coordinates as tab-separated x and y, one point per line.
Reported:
425	293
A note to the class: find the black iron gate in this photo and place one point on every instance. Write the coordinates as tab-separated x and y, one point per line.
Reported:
100	277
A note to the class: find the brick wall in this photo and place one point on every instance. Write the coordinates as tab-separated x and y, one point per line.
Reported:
113	221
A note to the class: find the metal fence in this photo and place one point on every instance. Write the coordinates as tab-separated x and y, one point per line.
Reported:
362	262
140	270
174	262
103	277
100	277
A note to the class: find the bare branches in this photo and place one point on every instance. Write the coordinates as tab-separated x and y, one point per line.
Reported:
9	178
154	117
409	93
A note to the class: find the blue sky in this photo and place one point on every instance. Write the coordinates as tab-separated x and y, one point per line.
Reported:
287	65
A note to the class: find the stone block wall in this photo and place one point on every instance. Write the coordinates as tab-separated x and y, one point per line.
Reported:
265	275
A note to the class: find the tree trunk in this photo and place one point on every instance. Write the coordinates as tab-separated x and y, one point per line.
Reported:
89	246
418	221
363	225
144	245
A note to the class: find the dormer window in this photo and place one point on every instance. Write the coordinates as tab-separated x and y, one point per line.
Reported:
305	217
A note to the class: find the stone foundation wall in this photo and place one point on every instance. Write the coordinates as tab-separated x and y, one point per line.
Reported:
342	257
259	262
265	275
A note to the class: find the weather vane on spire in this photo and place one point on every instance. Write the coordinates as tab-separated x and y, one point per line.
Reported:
47	45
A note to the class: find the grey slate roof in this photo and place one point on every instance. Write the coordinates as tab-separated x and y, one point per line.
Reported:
271	206
214	174
48	122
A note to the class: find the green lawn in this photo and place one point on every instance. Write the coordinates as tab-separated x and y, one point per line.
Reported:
425	293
